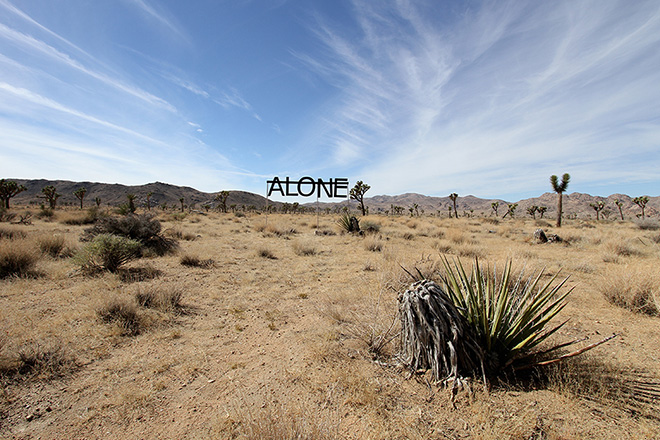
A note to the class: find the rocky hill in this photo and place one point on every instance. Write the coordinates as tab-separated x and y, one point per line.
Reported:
115	194
574	204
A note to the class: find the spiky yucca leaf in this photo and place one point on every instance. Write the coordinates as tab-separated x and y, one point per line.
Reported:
508	316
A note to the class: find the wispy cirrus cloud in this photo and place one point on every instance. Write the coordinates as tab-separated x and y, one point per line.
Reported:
492	96
54	54
168	23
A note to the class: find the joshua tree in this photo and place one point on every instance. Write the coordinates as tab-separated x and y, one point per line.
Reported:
9	189
598	206
357	194
131	203
51	195
97	200
511	209
453	197
559	188
532	211
182	199
222	198
149	194
641	202
619	204
80	195
541	210
494	206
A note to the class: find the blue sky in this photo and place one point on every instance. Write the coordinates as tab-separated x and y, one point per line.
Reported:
487	98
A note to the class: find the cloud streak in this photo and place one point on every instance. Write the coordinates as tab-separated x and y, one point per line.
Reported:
496	99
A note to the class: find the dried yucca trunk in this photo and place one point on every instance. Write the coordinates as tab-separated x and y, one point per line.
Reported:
435	336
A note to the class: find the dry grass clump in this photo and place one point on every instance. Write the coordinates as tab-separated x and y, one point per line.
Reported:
51	245
265	252
277	420
164	297
373	244
635	289
123	313
17	258
35	360
304	248
180	235
194	261
276	229
370	227
11	233
80	218
620	248
648	224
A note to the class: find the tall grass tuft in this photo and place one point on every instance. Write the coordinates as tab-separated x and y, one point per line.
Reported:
17	258
636	290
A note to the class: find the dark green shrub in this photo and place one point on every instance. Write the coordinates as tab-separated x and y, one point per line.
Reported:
143	228
107	251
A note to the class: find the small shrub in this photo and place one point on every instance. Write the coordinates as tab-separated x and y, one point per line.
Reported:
195	261
621	248
408	236
143	228
17	258
180	235
51	245
107	251
123	313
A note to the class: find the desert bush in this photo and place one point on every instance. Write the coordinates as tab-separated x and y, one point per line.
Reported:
17	258
51	245
11	233
123	313
107	252
637	290
144	228
164	297
195	261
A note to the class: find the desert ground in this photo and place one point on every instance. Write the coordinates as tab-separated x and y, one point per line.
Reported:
283	326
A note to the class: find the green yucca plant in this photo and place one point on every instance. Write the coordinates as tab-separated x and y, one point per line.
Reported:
509	315
348	223
481	322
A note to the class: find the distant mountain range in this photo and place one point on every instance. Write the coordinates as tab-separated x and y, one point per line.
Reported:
574	204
